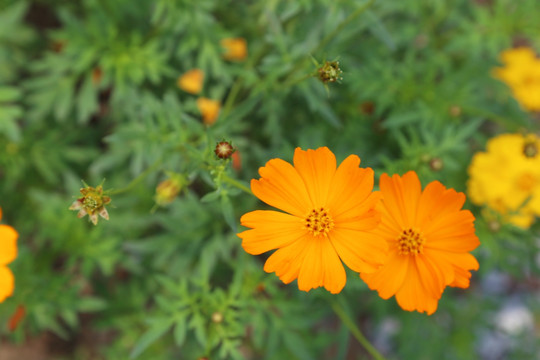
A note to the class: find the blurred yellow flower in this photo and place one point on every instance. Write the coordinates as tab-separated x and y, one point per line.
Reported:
209	109
429	238
522	74
506	178
191	81
8	253
235	48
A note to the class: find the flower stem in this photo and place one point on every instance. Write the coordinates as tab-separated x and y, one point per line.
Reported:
137	179
236	184
355	331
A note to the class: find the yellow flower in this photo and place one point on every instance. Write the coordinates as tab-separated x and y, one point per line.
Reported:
235	48
326	219
429	239
8	253
522	74
506	178
191	81
209	109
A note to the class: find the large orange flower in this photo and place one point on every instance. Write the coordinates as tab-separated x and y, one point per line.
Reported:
429	239
8	253
328	213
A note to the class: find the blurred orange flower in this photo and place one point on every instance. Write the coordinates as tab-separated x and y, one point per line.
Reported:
328	215
209	109
8	253
429	239
191	81
235	48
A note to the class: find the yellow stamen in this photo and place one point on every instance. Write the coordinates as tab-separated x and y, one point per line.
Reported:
410	242
318	222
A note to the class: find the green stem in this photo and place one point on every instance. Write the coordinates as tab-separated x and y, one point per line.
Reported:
135	181
346	320
236	184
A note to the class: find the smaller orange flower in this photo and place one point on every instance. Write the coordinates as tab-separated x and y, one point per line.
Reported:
209	109
235	49
8	253
429	238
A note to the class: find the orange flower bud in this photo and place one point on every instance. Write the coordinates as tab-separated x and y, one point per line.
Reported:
235	49
191	81
209	109
224	150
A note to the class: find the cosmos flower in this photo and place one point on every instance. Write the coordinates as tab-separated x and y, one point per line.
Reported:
8	253
429	238
521	72
92	203
326	218
515	192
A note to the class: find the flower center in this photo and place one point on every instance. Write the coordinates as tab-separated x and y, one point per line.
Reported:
92	202
319	221
530	150
410	242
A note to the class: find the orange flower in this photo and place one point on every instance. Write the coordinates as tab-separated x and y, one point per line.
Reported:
235	48
328	215
429	239
191	81
8	253
209	109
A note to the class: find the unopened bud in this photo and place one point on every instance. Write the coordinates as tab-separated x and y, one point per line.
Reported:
224	150
455	110
494	225
436	164
168	189
330	72
217	317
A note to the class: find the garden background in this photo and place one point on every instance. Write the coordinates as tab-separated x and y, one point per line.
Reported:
94	90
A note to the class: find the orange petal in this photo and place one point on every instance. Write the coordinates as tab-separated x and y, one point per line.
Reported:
282	187
321	267
351	188
316	168
429	200
7	283
271	230
393	196
286	261
361	251
413	295
389	278
8	244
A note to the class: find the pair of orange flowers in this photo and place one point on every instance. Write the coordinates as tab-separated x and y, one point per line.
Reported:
401	240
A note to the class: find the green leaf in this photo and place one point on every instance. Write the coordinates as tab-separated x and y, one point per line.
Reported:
228	212
156	331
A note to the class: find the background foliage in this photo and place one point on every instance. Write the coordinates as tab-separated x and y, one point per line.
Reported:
88	91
